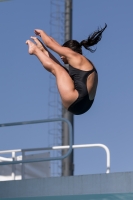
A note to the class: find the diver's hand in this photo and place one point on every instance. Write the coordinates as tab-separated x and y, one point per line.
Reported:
38	32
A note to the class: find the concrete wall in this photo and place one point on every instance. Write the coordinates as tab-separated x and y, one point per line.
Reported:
114	183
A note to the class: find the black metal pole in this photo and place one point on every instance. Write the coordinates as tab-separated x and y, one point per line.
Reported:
67	163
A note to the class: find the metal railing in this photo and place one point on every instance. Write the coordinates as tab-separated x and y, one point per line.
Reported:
51	148
37	122
63	147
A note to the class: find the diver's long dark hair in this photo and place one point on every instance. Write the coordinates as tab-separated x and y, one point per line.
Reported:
92	40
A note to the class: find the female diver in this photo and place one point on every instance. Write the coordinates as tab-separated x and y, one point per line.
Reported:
77	86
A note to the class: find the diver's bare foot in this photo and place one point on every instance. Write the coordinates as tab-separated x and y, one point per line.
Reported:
38	43
32	47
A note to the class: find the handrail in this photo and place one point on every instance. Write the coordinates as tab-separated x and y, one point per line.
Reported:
89	146
66	147
37	122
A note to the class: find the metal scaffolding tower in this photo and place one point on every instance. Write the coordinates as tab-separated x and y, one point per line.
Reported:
61	31
55	105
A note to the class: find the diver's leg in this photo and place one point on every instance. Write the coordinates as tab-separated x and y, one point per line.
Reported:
64	82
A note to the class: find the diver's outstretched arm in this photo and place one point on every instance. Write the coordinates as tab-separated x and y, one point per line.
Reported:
73	58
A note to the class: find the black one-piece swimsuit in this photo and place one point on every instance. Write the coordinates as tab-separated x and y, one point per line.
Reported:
82	103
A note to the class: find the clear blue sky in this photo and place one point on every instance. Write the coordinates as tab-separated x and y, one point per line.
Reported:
24	84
